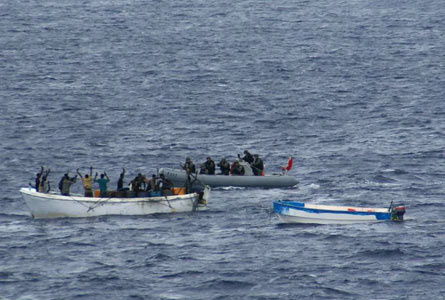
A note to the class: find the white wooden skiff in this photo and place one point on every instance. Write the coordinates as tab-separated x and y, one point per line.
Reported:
51	205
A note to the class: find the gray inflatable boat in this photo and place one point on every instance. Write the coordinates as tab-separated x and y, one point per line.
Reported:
179	177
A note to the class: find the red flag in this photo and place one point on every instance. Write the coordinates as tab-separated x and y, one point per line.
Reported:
289	164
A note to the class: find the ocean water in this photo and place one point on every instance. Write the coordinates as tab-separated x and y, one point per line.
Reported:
353	90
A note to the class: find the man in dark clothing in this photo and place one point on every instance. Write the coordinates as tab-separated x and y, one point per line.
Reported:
189	166
38	178
247	157
136	184
257	165
66	183
152	184
210	166
44	186
120	182
224	166
236	168
165	185
203	169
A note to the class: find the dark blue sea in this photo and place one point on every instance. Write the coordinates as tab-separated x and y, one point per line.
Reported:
354	90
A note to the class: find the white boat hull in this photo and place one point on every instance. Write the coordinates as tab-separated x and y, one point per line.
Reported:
43	205
309	218
298	212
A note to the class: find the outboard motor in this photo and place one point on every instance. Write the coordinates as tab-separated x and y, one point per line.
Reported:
397	213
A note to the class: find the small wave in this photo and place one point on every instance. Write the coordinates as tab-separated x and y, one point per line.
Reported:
81	244
296	225
5	275
182	274
384	179
314	186
431	268
160	256
311	188
382	253
225	285
337	292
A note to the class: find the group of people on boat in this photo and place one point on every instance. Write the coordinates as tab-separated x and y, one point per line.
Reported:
42	183
236	168
154	186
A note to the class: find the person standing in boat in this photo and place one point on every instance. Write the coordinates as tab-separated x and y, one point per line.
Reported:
224	166
102	181
120	182
165	186
247	157
210	166
151	184
189	166
87	182
38	179
141	181
65	184
257	166
44	186
138	184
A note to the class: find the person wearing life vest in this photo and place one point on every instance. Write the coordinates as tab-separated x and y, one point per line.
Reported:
257	166
189	166
236	168
247	157
224	166
210	166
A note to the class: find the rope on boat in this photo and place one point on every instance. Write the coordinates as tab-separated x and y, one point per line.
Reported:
94	205
169	205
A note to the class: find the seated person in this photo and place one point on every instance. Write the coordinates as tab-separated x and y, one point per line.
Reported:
236	168
210	166
224	166
203	169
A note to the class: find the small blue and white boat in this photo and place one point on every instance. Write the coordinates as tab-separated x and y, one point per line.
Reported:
299	212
